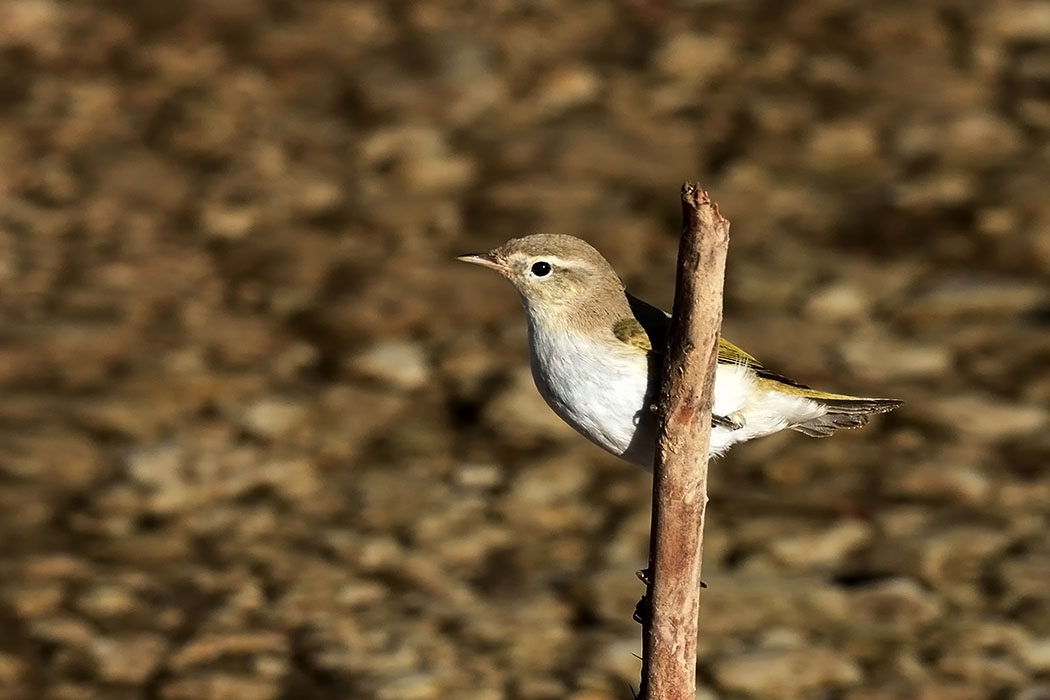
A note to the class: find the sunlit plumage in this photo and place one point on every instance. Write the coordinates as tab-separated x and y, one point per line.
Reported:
595	353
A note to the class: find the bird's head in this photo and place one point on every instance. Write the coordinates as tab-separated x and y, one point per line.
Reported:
554	274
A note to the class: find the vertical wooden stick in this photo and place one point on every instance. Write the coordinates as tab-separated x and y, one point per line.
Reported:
680	472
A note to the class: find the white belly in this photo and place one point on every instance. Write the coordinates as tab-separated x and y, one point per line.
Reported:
607	398
602	397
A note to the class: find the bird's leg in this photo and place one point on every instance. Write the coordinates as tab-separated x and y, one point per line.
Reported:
732	422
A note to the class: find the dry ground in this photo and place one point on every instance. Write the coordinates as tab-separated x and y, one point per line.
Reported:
261	438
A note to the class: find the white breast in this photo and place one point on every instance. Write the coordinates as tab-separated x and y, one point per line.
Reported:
605	396
600	394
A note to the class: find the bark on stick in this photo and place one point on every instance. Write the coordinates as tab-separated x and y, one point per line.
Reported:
680	472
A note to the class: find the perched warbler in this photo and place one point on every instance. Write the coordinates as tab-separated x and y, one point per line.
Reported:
595	356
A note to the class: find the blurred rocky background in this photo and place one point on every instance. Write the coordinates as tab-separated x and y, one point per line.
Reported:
262	439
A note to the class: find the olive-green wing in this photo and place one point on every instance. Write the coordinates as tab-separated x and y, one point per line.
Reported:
655	325
648	331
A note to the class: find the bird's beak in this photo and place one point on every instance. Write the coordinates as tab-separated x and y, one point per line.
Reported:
485	260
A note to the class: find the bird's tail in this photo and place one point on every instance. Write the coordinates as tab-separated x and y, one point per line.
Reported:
843	412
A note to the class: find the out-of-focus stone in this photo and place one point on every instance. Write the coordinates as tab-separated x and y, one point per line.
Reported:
412	686
568	87
1024	576
63	461
898	604
31	600
273	417
619	658
1040	691
211	647
1035	654
953	560
827	547
961	297
947	690
479	476
982	670
1021	21
781	673
130	660
800	602
986	418
12	671
229	222
981	140
838	302
421	156
317	196
106	601
217	685
942	189
399	364
519	414
842	147
878	357
62	629
943	480
694	58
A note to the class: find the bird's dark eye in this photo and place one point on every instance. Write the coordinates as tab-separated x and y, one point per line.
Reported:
541	269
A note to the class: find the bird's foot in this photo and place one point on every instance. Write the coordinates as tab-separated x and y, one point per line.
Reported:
641	611
734	421
643	576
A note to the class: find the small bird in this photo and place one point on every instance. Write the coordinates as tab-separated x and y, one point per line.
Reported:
595	353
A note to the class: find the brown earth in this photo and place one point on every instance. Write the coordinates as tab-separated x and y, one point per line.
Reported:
261	438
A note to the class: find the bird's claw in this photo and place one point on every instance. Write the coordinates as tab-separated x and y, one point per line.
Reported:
643	576
641	609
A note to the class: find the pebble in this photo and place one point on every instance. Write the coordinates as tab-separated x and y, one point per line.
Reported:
824	548
274	417
1035	655
880	358
781	673
953	560
211	647
842	147
568	87
838	303
987	418
619	658
520	416
696	59
106	601
412	686
12	670
262	438
1040	691
130	659
397	364
981	140
479	476
958	297
33	600
1021	22
944	480
898	604
220	685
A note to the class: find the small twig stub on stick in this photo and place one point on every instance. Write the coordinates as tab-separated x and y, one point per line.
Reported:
680	472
